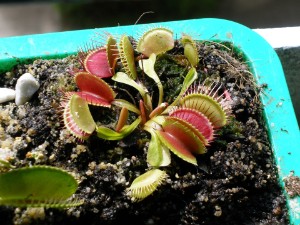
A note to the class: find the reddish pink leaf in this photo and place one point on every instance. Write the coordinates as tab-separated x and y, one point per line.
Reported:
186	133
181	139
181	134
197	119
94	90
194	131
96	62
177	147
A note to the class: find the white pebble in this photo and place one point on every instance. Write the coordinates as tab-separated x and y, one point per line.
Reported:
7	94
26	86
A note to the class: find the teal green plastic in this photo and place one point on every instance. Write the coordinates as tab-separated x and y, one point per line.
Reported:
266	67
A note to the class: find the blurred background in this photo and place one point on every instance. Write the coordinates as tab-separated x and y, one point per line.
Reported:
19	17
29	17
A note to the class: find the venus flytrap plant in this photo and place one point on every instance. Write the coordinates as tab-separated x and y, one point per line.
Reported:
92	90
185	126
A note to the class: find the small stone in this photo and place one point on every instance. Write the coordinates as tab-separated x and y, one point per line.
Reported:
6	155
7	94
26	86
218	211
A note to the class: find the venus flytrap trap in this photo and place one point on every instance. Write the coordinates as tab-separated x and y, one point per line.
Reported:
38	186
126	53
146	183
100	61
190	50
185	126
155	41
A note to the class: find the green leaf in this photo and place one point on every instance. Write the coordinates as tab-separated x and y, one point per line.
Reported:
147	65
157	154
109	134
38	186
125	79
123	103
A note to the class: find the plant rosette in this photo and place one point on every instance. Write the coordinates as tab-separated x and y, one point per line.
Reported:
174	111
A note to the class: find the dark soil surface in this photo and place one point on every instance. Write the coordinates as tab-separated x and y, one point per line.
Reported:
234	184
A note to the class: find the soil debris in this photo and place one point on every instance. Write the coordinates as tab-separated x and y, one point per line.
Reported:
292	185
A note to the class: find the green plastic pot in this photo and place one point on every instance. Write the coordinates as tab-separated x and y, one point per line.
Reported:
278	110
